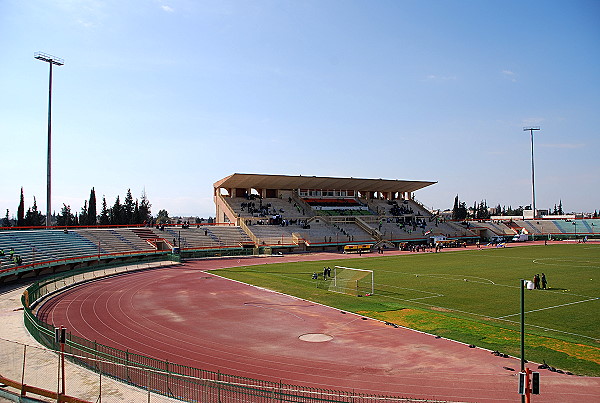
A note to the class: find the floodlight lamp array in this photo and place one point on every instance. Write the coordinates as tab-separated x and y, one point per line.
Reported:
49	58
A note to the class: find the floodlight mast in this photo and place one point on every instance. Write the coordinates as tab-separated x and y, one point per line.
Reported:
51	60
531	129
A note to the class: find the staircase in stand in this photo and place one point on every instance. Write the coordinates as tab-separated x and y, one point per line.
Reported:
159	243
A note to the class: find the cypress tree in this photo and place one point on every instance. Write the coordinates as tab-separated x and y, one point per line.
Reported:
455	209
6	222
462	211
128	208
104	219
136	218
91	213
33	217
21	210
482	210
84	213
116	213
65	218
145	213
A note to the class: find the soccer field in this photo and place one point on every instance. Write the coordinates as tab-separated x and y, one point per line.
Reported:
471	296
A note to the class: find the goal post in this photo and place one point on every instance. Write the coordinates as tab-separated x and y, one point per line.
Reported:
349	280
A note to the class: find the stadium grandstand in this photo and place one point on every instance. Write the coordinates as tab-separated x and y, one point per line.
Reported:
317	213
258	214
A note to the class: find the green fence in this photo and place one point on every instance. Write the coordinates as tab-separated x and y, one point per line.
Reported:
223	252
163	377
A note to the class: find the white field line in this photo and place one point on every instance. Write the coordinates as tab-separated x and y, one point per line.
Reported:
490	317
564	262
548	329
433	296
548	307
472	313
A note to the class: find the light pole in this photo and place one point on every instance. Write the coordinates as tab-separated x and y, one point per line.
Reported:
531	129
575	224
51	60
523	331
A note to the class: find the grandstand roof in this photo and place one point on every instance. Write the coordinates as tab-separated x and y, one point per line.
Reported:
257	181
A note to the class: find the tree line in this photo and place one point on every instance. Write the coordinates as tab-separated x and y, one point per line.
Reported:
127	212
481	211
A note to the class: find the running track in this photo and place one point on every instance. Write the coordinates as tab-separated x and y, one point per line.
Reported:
188	316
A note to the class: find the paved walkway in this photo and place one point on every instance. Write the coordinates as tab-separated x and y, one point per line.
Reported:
41	367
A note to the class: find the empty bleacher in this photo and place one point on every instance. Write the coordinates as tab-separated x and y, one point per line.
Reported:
499	229
547	226
591	225
44	245
528	226
34	246
229	235
566	227
274	234
119	240
355	232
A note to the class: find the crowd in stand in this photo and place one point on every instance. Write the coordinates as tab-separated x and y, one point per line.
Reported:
260	210
409	226
279	220
16	259
398	210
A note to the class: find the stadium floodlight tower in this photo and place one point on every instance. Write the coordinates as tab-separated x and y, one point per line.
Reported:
531	129
51	60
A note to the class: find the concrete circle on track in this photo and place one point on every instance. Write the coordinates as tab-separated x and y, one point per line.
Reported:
315	337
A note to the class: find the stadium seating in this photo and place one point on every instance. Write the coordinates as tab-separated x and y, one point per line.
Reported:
493	229
34	246
581	227
44	245
565	226
274	234
114	240
283	220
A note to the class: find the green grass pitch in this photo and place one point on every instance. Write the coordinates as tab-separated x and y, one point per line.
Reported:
471	296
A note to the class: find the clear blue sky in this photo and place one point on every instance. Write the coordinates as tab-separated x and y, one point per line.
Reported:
172	95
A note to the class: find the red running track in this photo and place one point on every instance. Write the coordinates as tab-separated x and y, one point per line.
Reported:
188	316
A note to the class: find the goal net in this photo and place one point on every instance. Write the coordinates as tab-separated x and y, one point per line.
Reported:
348	280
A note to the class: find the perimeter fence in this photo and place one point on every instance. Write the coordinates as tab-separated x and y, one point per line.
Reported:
170	380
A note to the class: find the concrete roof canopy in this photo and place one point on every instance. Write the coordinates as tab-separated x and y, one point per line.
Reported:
284	182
